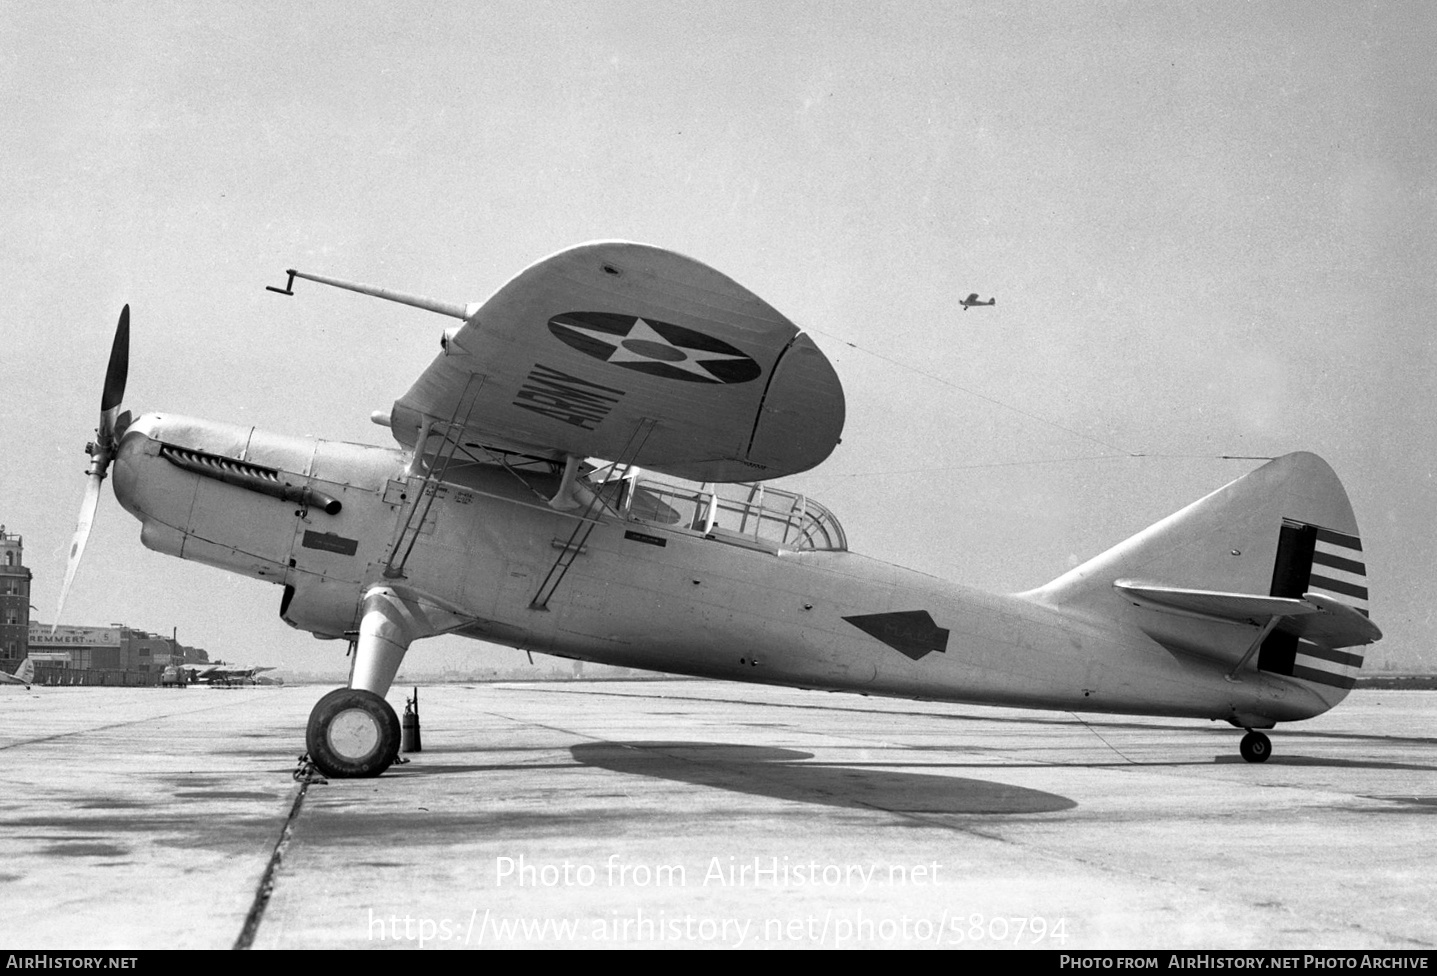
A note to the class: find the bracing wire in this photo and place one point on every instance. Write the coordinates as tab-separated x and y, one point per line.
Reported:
1121	453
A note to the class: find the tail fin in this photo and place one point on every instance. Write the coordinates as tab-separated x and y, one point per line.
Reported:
1276	552
26	672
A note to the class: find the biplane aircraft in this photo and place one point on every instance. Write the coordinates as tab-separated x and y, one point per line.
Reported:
583	471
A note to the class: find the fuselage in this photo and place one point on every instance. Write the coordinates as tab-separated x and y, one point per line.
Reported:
652	585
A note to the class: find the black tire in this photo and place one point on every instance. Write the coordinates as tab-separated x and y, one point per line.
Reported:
1255	747
352	733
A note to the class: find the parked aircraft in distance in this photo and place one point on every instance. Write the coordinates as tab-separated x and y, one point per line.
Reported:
24	675
220	673
583	470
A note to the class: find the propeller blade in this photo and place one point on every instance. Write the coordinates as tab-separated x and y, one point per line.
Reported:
102	452
115	376
77	545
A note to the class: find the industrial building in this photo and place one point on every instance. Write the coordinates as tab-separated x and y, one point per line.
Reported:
14	601
114	654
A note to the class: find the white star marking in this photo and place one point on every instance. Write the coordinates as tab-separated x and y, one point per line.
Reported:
644	332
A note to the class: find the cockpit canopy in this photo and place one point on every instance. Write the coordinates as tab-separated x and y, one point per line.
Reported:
752	514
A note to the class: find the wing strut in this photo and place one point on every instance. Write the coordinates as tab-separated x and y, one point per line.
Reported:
1262	635
434	473
587	518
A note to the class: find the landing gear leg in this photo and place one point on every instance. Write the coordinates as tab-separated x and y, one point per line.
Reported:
1255	747
353	731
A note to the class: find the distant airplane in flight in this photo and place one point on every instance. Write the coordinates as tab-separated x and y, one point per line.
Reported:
972	301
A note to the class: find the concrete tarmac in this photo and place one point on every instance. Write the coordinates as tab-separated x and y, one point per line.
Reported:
687	813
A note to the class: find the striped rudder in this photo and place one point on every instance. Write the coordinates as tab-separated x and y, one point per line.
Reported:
1312	559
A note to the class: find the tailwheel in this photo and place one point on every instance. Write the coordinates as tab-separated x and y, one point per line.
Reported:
1255	747
352	733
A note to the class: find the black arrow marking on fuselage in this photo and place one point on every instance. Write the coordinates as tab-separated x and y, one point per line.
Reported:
911	633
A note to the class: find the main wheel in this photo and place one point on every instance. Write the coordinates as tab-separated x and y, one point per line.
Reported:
352	733
1255	747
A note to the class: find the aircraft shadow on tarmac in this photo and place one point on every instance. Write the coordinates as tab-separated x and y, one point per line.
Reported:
782	774
1090	722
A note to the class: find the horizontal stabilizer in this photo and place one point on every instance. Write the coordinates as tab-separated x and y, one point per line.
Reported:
1337	626
1314	618
1243	607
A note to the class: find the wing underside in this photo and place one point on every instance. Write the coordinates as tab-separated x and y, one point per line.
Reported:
630	352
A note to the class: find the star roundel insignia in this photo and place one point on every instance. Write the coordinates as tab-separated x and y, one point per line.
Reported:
656	348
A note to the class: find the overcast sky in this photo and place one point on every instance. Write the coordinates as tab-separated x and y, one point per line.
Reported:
1209	228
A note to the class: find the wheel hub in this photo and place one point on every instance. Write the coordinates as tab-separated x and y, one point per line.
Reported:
354	733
